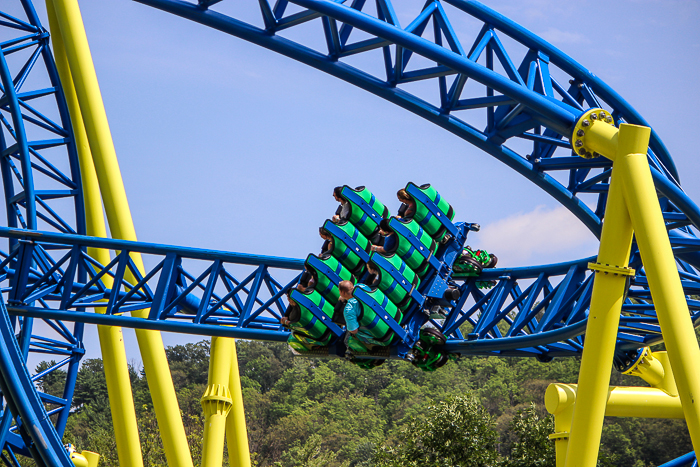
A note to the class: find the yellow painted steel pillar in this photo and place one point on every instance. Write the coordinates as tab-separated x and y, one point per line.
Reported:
595	135
611	273
236	432
559	400
665	285
120	223
93	458
116	368
216	401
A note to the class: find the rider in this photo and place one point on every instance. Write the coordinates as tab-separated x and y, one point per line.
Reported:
352	313
408	205
390	239
343	211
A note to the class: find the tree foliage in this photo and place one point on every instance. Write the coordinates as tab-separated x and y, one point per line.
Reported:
456	431
303	412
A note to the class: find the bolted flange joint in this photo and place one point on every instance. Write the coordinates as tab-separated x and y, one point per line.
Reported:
216	400
578	138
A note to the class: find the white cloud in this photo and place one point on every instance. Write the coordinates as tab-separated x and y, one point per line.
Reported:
541	236
559	37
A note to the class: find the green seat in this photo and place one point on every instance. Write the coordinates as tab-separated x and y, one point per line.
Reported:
370	321
329	272
397	280
307	328
350	247
366	212
415	246
433	220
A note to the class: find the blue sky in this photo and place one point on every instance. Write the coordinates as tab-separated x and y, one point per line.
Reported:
226	145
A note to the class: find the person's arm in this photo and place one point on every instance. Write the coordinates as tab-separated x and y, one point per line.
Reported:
378	249
336	216
410	210
327	247
388	247
345	211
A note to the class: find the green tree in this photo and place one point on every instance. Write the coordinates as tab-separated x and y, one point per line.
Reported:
454	432
309	454
533	447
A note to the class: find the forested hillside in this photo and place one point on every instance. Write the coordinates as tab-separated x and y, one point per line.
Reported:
478	411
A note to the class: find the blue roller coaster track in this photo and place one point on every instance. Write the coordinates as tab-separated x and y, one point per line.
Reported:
51	287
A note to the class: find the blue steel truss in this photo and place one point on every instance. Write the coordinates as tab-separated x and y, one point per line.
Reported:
530	94
42	190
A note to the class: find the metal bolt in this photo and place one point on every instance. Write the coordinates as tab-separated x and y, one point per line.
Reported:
597	154
589	155
580	133
609	119
594	117
537	160
579	143
582	152
585	123
602	115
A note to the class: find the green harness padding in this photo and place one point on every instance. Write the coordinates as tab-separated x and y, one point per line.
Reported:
425	218
351	250
398	291
309	329
370	322
472	262
415	258
366	212
329	273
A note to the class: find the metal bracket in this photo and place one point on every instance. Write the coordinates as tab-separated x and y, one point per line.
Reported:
584	123
608	269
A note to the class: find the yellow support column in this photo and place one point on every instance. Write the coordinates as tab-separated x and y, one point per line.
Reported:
92	458
559	400
601	331
216	401
120	223
236	432
664	282
121	401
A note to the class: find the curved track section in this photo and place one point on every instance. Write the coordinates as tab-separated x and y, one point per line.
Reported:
42	188
522	115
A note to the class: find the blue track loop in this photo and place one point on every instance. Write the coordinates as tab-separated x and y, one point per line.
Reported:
37	429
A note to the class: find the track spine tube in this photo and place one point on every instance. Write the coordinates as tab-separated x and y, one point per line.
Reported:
121	400
120	222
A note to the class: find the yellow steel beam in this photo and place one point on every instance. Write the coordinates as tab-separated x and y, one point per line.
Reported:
236	433
655	369
664	282
93	458
216	401
595	135
620	401
601	331
121	401
120	223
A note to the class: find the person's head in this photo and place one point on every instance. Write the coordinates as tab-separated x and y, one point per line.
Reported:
372	268
384	228
403	196
345	288
324	234
336	193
